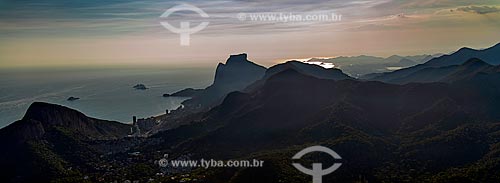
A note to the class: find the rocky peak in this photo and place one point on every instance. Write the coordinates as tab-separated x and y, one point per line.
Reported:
42	116
238	69
52	114
239	58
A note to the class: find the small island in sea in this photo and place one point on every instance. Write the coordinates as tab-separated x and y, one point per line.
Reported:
140	87
73	98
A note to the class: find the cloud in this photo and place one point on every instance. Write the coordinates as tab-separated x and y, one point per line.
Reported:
128	18
480	9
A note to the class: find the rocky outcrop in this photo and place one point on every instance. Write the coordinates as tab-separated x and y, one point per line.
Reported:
73	98
236	74
41	116
140	87
188	92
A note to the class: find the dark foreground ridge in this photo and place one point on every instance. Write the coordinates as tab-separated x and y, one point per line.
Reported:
41	116
48	139
417	132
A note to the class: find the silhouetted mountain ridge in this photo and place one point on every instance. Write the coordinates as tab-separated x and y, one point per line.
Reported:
395	123
417	132
357	66
50	140
451	73
236	74
490	55
41	116
307	69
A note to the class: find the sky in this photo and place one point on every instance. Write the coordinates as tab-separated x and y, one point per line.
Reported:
70	33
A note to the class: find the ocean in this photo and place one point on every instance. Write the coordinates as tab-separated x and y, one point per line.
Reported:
105	93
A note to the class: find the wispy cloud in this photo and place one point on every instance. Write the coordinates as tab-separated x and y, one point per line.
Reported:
134	27
126	16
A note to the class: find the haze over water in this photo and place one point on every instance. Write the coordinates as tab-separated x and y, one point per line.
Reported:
104	93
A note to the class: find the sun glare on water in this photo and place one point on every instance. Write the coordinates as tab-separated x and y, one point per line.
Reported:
322	64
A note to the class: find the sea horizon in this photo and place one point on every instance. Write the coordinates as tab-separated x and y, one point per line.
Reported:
104	93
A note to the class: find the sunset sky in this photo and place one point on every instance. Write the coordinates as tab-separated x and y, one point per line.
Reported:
53	33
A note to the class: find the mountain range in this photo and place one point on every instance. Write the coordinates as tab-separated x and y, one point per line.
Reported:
419	131
358	66
489	55
434	122
49	140
237	73
466	71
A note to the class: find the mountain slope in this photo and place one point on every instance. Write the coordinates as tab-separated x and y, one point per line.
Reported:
237	73
43	115
302	68
361	65
418	132
307	69
490	55
403	127
49	139
384	133
452	73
